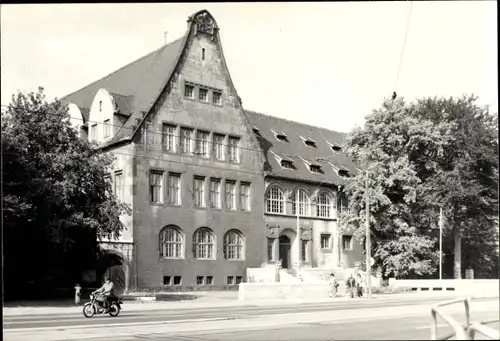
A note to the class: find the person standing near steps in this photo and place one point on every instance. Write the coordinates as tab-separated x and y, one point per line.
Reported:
334	284
350	286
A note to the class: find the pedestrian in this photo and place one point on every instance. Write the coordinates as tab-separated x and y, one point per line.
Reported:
350	286
359	285
334	284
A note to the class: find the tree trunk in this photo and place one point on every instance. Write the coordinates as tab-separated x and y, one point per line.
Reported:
457	269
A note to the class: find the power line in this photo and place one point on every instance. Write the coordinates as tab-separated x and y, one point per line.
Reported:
404	45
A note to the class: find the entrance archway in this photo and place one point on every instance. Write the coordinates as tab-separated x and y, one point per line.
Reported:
115	267
285	247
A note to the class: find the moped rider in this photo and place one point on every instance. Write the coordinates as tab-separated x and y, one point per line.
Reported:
107	291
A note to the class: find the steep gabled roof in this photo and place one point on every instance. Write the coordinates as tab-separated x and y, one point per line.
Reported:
296	150
135	86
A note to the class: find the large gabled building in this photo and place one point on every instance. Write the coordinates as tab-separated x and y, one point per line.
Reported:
205	179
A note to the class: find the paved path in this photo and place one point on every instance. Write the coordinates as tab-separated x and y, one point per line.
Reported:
357	319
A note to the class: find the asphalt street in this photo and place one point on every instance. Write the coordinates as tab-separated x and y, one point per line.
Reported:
343	320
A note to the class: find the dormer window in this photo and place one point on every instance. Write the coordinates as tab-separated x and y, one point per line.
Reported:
335	147
344	173
287	164
315	168
280	136
100	106
255	129
309	142
341	171
284	161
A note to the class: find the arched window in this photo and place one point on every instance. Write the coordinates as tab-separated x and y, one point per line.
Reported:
234	245
301	203
171	242
275	200
203	243
324	206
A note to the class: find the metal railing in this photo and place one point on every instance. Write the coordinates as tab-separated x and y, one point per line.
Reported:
461	332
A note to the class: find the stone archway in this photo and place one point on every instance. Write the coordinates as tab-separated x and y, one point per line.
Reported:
285	251
115	266
287	243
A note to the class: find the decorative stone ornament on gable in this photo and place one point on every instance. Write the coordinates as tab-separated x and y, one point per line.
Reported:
306	232
204	23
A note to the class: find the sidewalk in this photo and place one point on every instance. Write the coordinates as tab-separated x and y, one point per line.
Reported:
224	300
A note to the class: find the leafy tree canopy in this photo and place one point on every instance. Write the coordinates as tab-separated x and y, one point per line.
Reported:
56	201
418	157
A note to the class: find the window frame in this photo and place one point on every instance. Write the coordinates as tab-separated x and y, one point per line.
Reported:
178	248
230	195
179	188
247	194
161	174
166	136
329	246
218	205
279	201
233	249
204	247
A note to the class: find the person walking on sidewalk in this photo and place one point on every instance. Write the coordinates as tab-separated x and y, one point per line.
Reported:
333	285
359	285
350	286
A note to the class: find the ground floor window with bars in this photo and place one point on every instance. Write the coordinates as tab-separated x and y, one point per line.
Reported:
171	242
233	245
203	244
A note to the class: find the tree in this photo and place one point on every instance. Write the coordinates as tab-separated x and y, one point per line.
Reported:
56	201
400	244
465	179
426	155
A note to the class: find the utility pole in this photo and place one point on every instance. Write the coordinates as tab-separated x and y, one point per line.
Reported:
298	238
368	242
440	243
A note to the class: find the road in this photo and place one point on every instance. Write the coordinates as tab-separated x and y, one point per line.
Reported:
343	320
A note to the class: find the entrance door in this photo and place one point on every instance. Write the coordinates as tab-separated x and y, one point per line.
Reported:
285	247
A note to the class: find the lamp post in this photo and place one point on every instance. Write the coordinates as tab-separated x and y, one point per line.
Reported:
368	241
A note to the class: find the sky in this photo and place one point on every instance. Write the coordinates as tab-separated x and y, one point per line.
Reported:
326	64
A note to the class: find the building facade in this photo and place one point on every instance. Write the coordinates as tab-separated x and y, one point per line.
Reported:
205	190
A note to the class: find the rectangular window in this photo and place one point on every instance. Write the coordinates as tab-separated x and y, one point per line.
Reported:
230	280
93	132
239	279
188	91
270	249
203	95
245	196
304	253
202	143
168	137
325	241
186	141
199	191
215	193
174	189
156	186
219	147
177	280
230	195
233	149
119	185
216	97
107	128
347	242
167	280
210	280
200	280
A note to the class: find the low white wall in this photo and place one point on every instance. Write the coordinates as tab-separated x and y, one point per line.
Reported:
262	275
476	287
277	291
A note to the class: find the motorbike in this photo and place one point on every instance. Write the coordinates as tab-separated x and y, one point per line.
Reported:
96	306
